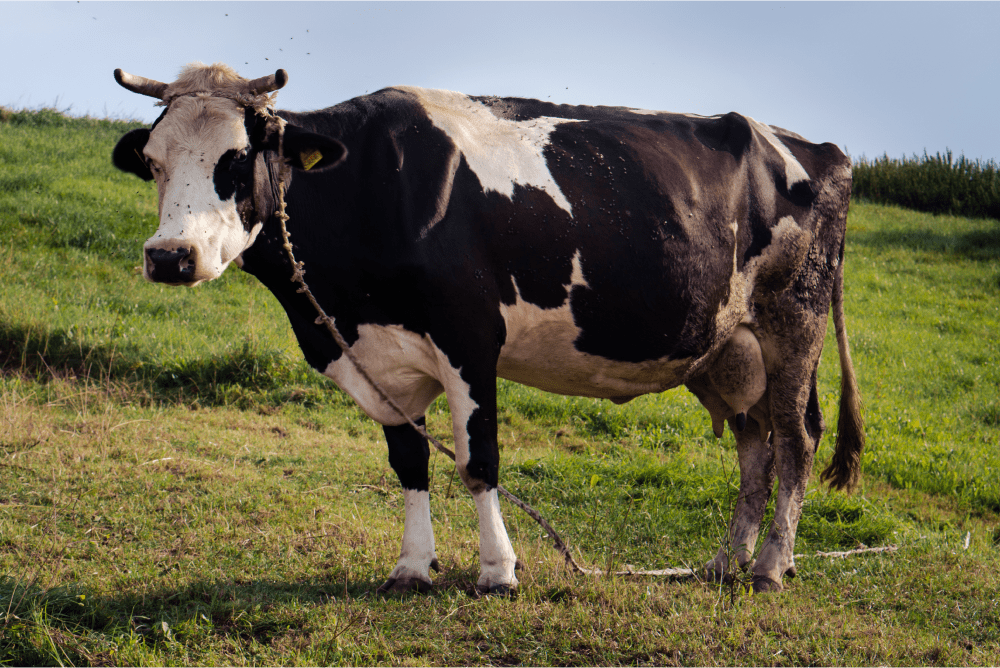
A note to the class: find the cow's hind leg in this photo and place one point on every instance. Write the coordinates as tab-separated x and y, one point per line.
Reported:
756	460
798	426
408	456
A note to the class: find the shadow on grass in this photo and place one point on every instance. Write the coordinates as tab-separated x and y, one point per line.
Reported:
243	376
243	612
246	612
981	245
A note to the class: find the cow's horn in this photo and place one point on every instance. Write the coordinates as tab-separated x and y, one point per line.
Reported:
140	85
269	83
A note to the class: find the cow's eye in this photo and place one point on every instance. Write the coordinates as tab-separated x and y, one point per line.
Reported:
234	160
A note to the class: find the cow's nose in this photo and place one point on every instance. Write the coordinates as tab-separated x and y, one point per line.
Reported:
170	266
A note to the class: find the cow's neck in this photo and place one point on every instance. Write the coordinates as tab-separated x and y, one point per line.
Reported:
339	228
331	275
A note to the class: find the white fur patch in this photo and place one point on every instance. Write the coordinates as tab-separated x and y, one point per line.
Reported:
499	152
185	147
794	172
786	238
540	351
417	550
734	310
405	364
462	405
411	369
496	555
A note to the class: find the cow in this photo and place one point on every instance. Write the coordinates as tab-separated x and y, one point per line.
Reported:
597	251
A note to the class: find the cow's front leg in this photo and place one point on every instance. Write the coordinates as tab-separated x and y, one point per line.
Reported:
408	456
474	420
756	480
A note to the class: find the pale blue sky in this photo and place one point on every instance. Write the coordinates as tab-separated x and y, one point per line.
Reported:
892	77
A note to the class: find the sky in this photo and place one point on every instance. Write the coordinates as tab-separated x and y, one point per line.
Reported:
894	78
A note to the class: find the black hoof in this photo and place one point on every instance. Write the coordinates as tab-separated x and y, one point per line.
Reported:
790	573
501	591
404	585
763	584
435	566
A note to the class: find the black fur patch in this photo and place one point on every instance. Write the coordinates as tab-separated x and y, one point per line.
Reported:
127	155
408	455
233	171
814	414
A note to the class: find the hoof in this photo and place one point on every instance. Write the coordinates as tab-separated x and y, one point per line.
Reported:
404	585
762	584
502	591
791	573
714	575
435	565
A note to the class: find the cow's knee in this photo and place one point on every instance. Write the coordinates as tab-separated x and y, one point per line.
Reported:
478	475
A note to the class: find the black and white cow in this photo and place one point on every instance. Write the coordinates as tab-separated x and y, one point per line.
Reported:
596	251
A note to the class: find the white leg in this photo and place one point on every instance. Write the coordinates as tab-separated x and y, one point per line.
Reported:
496	555
417	554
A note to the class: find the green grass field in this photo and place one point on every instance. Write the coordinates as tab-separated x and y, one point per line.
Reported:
179	488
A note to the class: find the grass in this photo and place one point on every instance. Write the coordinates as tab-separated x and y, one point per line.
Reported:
137	535
178	488
923	315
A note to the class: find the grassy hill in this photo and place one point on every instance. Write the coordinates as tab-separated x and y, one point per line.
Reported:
178	487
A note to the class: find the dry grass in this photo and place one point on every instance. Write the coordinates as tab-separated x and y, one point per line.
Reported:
218	536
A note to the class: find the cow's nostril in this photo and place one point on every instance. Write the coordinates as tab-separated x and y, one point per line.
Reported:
159	255
170	266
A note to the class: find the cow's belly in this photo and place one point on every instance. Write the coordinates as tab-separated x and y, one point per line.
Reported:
539	351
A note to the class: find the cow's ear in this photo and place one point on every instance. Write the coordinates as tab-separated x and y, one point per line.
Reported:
310	151
127	155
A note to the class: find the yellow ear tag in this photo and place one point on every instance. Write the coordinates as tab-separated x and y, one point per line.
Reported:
310	158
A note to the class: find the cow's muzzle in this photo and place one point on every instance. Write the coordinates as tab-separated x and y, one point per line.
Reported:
175	267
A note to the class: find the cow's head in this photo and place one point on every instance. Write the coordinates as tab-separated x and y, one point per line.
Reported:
214	155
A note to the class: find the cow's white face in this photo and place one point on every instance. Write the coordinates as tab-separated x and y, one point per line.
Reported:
212	159
199	153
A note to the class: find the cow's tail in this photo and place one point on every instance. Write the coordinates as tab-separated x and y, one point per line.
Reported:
845	467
